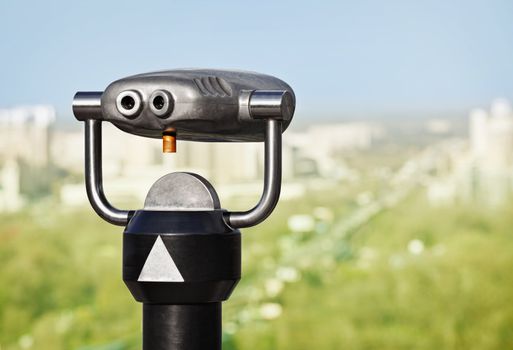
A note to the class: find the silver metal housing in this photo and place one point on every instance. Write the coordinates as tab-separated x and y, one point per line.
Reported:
208	104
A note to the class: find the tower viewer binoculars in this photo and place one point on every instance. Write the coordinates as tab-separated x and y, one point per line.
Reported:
182	251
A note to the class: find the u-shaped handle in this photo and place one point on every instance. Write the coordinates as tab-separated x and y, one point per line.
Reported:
94	178
272	181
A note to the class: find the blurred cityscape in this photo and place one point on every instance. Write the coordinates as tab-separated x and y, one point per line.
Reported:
373	214
462	159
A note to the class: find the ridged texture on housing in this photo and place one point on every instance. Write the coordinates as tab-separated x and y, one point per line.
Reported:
213	86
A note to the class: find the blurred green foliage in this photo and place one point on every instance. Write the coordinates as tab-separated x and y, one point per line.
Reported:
61	282
454	295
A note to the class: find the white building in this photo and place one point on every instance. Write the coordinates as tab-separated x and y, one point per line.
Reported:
491	141
10	198
24	133
321	143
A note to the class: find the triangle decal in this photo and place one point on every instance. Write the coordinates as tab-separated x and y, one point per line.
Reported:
159	265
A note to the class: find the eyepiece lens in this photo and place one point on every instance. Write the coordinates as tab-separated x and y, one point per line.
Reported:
158	102
128	102
161	103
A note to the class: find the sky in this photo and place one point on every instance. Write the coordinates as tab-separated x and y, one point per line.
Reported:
342	58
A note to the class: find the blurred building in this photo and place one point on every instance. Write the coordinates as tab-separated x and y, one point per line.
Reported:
10	197
132	164
438	126
315	150
25	134
491	149
483	171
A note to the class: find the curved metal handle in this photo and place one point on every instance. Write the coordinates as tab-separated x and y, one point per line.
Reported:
262	103
93	176
272	181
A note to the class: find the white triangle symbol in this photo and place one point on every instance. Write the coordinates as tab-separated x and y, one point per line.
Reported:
159	265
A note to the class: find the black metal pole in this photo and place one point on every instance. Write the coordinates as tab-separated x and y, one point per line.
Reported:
182	327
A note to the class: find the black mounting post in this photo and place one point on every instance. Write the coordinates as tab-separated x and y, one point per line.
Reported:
182	252
185	326
181	295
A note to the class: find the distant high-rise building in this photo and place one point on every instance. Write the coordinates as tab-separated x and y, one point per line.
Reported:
491	146
478	130
24	134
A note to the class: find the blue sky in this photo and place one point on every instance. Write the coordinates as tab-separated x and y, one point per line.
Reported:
343	58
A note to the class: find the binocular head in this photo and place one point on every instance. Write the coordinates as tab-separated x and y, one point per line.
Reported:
194	105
